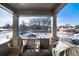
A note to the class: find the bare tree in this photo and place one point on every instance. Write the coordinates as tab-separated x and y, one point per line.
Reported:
23	27
42	21
7	26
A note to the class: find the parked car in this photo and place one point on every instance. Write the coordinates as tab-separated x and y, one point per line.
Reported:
76	36
76	42
31	35
22	33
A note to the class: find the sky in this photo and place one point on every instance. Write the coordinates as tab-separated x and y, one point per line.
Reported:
5	17
68	15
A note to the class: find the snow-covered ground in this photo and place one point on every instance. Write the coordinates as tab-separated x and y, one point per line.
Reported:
5	36
38	35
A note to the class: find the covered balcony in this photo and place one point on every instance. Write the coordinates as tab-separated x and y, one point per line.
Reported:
44	45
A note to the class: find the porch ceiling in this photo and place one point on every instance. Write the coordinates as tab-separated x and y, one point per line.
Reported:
34	8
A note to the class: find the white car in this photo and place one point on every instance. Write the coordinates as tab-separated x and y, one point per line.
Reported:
76	36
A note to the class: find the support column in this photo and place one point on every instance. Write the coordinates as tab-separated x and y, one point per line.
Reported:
52	26
15	25
55	26
54	38
16	40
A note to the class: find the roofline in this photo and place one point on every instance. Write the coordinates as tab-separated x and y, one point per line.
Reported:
55	10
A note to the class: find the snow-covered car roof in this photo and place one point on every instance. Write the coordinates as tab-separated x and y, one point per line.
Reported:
31	35
76	34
